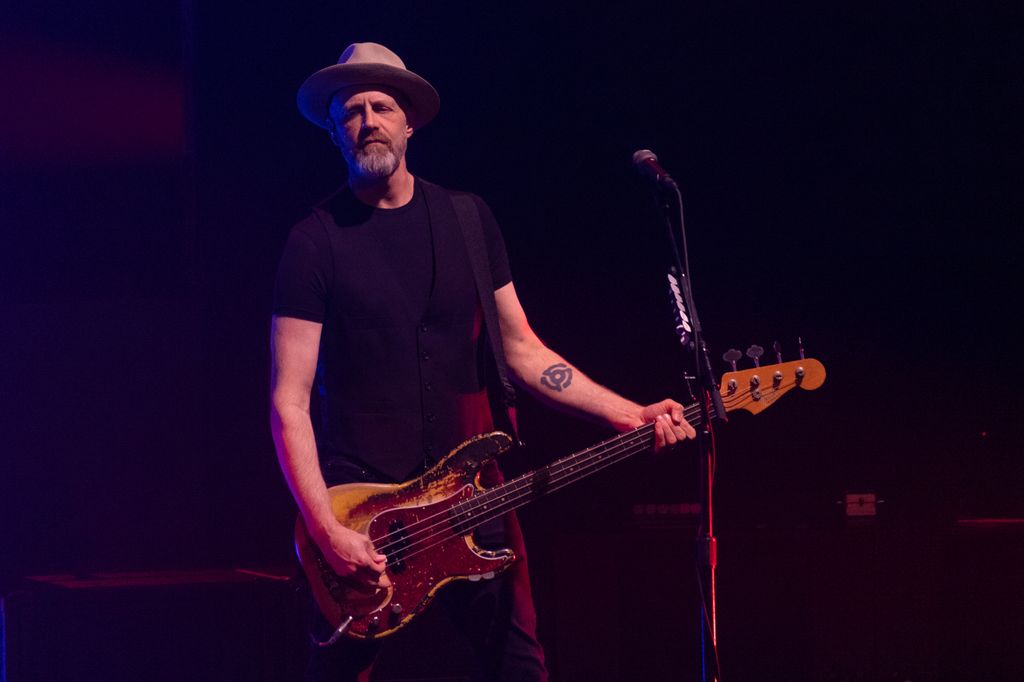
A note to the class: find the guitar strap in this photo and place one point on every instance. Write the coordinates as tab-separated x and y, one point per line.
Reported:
472	231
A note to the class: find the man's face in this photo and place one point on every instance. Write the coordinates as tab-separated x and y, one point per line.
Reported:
371	130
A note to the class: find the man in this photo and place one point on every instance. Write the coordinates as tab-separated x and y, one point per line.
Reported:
376	299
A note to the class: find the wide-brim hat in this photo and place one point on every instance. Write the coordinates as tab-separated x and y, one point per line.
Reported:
368	64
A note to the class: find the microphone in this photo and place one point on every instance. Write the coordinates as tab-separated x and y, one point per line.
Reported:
646	163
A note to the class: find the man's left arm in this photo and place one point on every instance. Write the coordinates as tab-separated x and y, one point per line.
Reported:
550	377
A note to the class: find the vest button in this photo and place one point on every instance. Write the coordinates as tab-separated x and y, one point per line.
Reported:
428	386
423	328
425	356
431	418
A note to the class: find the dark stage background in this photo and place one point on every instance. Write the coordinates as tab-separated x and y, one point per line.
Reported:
852	175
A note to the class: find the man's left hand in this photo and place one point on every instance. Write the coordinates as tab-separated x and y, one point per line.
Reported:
669	425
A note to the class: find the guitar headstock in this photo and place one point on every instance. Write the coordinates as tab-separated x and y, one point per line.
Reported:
757	388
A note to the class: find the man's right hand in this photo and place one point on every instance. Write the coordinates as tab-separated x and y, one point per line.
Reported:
352	555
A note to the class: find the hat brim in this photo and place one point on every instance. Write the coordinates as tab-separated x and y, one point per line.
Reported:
314	96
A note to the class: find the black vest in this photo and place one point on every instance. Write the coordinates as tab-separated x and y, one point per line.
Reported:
397	391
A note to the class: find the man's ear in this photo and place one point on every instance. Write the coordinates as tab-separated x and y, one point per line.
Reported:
332	131
408	132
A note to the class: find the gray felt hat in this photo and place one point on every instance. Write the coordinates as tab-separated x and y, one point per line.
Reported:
368	64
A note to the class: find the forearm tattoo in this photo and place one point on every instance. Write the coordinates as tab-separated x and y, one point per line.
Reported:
557	377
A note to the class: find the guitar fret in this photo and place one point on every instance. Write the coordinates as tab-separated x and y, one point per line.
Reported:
517	492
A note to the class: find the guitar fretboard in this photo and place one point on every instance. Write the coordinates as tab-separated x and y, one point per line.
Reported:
524	489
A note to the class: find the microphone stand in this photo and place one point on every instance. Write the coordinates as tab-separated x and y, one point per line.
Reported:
711	407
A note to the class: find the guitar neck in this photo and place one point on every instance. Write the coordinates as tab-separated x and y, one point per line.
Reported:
560	473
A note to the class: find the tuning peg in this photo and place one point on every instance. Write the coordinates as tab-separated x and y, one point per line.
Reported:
754	353
778	352
731	356
800	342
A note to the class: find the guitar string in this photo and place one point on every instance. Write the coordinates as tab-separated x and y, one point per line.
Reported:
580	467
509	505
576	463
513	487
579	460
573	467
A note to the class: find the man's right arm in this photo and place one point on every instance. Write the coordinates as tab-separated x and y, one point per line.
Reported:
295	345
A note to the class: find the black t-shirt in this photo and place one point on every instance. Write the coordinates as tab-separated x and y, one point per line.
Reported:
404	236
401	348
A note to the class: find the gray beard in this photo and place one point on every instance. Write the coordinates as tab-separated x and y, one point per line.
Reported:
375	165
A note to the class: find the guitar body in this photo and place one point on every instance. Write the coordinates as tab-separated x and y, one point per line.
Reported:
416	525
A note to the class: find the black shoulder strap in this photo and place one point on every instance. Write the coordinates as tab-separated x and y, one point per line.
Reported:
472	231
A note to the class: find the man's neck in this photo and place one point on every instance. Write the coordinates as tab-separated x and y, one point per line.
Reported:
394	191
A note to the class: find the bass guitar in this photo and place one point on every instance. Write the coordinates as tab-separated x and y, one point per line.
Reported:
424	526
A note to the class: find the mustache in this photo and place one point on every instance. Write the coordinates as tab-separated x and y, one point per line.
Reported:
370	140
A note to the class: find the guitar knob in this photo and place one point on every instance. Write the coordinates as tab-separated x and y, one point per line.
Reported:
755	381
396	608
776	378
373	623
